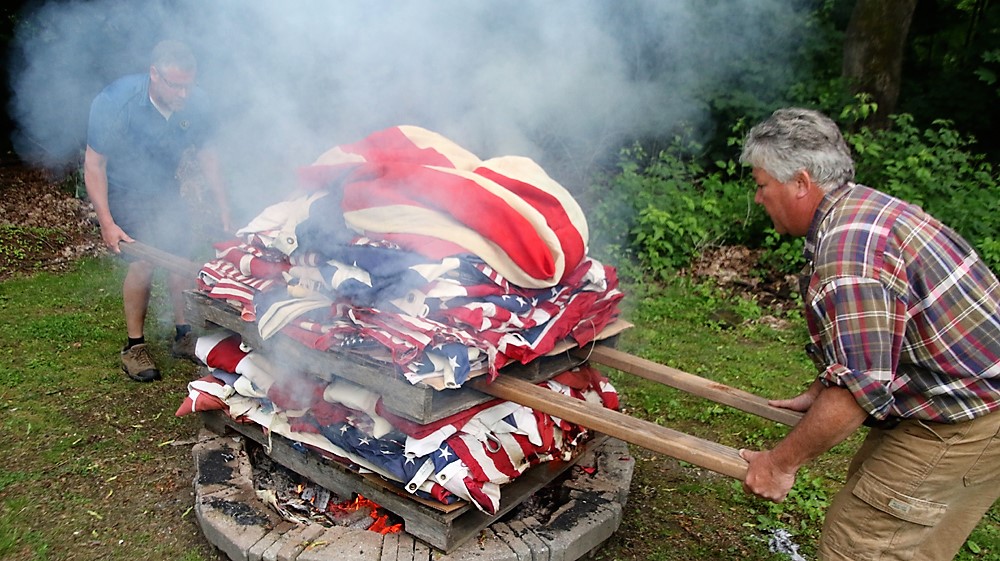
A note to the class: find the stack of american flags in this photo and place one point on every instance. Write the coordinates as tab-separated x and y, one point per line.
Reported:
406	244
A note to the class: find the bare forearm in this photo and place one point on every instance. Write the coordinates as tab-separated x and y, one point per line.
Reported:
96	180
833	417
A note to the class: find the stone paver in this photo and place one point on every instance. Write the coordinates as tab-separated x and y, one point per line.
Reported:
522	551
344	544
256	551
486	547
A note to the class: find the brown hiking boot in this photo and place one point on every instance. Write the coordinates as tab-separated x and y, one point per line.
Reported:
184	347
138	364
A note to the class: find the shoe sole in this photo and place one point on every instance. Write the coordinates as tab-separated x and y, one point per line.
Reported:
190	358
140	377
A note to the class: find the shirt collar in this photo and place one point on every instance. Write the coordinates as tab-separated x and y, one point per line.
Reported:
829	201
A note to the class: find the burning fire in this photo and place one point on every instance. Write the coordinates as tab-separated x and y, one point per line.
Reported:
381	524
340	510
300	500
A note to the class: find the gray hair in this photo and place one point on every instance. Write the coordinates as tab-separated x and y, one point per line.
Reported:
795	139
174	54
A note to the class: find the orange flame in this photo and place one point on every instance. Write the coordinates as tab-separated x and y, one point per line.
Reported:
381	524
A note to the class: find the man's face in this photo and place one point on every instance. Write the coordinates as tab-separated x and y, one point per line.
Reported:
169	86
778	199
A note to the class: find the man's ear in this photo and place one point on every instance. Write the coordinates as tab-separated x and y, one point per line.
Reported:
803	183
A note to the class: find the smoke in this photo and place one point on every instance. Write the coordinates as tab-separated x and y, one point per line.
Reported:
545	79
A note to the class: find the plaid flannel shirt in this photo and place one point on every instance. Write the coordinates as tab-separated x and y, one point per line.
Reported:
906	315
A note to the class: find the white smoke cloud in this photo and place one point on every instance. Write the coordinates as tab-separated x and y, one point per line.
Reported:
291	79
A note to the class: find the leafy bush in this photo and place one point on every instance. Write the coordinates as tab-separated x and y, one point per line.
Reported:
782	254
661	210
668	207
937	169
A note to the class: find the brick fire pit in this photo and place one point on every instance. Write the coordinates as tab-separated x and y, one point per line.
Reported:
245	529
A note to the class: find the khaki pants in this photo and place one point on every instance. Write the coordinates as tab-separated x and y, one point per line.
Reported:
915	492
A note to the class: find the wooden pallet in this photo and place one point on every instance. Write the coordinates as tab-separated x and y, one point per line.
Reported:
444	527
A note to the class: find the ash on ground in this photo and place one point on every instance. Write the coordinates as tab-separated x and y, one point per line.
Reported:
542	504
781	542
297	499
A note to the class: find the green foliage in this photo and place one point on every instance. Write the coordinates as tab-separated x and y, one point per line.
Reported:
19	244
950	68
667	207
984	542
662	210
987	74
72	182
937	169
782	253
802	511
666	240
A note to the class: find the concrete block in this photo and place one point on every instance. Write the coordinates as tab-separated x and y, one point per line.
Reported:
579	527
616	464
539	547
344	544
522	551
422	551
228	533
216	461
256	552
404	549
390	547
295	541
487	547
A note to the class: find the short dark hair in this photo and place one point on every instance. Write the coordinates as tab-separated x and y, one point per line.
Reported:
174	53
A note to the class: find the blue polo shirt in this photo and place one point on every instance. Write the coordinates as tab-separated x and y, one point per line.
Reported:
142	148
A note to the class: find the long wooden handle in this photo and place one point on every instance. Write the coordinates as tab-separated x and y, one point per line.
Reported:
695	385
160	258
704	453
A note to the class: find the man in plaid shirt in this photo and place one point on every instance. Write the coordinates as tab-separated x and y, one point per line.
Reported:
905	325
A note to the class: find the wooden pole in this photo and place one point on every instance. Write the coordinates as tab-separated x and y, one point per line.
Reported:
695	385
704	453
160	258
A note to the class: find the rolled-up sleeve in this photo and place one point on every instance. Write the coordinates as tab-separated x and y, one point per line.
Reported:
861	327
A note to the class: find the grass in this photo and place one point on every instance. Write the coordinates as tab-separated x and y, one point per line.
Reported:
85	474
91	467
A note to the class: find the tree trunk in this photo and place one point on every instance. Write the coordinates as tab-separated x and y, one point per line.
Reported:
873	52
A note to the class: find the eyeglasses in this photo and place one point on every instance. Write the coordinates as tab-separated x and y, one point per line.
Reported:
173	85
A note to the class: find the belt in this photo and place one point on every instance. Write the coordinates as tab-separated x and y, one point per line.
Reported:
883	424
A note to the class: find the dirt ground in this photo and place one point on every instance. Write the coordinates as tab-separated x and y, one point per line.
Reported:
41	210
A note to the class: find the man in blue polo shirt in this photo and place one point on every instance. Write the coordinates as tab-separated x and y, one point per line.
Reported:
141	126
